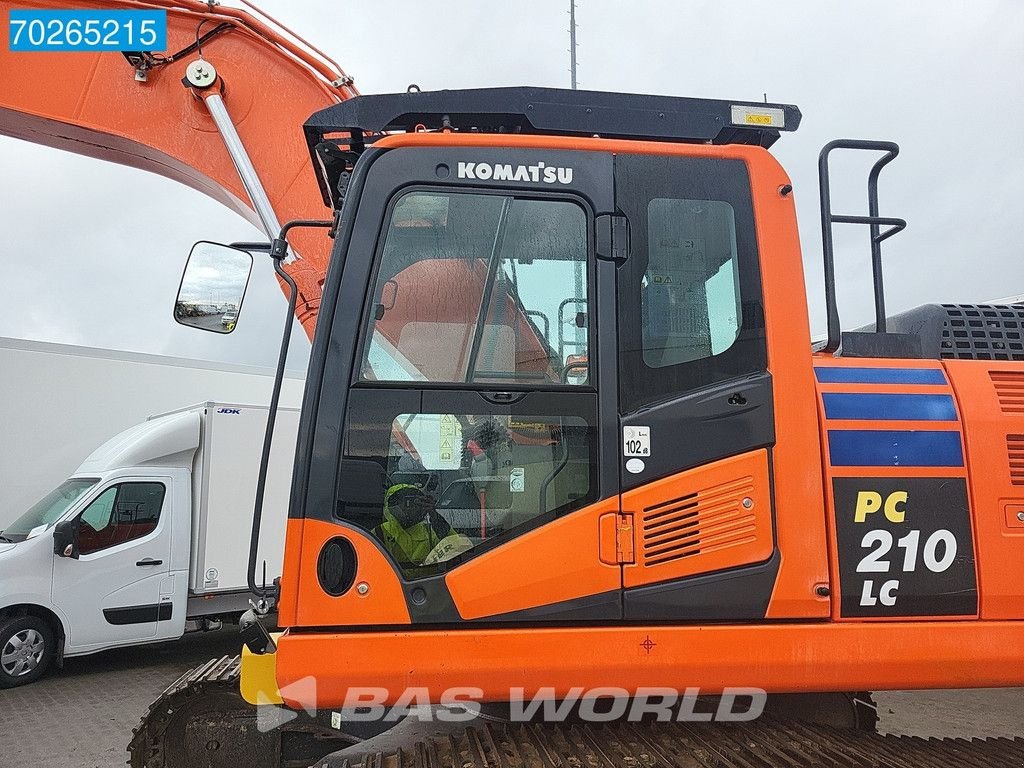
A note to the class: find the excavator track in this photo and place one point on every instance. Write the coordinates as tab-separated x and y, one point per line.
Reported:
766	743
201	721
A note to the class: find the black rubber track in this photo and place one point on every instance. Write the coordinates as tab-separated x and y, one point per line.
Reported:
201	721
762	744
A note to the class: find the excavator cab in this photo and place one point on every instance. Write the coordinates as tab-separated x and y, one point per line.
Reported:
545	312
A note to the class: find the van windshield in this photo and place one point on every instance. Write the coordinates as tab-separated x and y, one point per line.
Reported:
49	509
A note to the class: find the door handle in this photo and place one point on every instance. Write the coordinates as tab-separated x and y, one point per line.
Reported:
150	561
502	398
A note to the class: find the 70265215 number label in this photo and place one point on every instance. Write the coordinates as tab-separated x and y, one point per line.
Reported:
87	30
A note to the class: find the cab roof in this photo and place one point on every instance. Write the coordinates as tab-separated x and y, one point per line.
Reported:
528	110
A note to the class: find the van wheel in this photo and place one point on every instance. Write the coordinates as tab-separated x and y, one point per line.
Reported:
26	649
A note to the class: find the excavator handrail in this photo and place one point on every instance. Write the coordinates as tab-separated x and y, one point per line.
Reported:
873	219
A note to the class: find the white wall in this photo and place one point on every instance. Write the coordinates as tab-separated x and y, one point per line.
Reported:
59	402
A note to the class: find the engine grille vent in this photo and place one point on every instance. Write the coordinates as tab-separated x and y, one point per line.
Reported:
1010	390
702	522
983	332
1015	452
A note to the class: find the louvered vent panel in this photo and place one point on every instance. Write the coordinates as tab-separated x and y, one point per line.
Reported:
706	521
1010	391
1015	452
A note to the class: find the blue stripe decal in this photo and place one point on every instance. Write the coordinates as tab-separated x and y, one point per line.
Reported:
886	407
892	448
842	375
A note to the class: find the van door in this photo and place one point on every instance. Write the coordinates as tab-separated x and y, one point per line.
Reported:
120	589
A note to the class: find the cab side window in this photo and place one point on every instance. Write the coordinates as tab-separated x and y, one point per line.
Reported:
691	291
693	272
122	513
96	517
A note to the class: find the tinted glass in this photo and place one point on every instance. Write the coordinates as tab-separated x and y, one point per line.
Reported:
96	517
692	274
480	288
691	297
120	514
434	487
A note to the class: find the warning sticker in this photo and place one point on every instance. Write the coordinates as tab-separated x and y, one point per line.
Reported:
447	440
436	438
636	441
517	480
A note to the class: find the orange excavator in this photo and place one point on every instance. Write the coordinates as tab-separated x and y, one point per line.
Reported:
564	428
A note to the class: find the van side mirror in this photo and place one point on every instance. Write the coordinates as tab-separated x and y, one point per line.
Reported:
65	538
212	287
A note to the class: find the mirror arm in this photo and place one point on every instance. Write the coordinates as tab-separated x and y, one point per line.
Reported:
279	245
278	252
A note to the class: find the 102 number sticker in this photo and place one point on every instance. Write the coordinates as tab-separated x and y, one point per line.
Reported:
636	441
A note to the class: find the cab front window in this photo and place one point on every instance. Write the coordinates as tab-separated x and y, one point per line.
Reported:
453	482
473	416
480	288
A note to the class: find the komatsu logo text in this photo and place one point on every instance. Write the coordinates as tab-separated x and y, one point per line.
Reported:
545	174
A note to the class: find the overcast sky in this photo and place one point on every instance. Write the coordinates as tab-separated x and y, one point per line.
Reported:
93	252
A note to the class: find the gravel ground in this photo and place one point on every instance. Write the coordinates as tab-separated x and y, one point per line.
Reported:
82	716
964	714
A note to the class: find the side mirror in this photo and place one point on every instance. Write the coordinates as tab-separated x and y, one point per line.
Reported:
212	287
65	538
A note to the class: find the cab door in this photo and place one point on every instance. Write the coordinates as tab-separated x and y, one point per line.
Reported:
695	395
479	428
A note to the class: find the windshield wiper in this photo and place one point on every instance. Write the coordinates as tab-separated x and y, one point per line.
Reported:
4	538
485	299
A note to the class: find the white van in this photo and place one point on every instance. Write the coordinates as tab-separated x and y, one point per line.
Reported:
152	531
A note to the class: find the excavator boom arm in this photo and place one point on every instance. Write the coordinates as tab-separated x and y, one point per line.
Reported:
139	113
